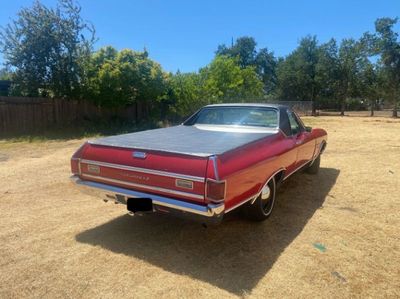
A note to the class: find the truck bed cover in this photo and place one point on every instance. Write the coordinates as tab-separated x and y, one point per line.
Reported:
187	140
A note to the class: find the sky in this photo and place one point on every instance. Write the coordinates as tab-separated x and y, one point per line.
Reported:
183	35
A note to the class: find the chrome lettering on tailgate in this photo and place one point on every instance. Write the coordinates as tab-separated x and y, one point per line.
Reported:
134	176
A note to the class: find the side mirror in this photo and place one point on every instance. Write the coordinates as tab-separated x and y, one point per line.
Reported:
308	129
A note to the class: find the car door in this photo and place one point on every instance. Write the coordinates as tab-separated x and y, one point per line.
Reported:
302	139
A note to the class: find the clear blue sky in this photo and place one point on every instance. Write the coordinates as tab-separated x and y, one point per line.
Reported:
185	34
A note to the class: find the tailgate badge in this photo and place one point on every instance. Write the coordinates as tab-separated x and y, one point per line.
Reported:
184	184
140	155
93	168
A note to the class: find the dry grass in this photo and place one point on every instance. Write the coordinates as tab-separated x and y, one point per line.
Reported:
56	242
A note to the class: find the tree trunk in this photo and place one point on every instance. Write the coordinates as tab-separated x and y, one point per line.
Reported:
136	112
314	109
372	108
342	108
394	97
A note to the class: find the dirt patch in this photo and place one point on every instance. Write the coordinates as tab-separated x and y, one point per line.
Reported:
331	235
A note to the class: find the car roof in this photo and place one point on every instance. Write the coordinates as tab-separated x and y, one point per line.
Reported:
261	105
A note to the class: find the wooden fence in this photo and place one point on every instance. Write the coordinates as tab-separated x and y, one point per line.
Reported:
25	115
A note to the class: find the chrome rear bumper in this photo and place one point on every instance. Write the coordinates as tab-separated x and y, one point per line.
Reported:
208	213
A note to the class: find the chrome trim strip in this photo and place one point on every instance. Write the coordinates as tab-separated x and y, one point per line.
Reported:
94	188
321	145
79	166
294	171
214	160
216	201
235	128
317	152
153	188
239	204
146	170
254	199
283	133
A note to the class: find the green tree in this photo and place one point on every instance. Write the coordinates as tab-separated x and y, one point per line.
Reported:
265	64
5	74
385	42
264	61
371	79
327	73
47	48
186	93
370	84
116	79
244	49
349	60
225	81
297	73
5	79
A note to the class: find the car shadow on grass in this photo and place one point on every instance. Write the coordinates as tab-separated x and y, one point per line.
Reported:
234	255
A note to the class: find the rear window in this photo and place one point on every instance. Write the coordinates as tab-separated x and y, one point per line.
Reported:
238	116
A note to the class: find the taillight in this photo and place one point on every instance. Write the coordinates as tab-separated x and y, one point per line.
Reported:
75	166
75	159
215	190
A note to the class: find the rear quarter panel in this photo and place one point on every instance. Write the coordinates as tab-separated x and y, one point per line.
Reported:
247	169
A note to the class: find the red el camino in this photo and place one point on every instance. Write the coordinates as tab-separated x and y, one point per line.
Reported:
223	157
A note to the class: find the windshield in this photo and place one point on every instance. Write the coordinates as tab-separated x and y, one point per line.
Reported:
237	116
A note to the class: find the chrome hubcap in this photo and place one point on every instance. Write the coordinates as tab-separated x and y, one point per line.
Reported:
265	192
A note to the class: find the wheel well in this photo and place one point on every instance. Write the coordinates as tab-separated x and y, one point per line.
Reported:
323	146
279	176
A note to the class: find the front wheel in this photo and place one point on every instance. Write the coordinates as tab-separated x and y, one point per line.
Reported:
262	207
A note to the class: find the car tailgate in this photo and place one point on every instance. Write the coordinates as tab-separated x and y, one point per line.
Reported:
169	174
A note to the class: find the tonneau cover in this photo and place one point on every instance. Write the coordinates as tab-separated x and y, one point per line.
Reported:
188	140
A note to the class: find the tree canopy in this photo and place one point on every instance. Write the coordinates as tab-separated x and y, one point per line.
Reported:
385	42
297	73
119	78
47	49
223	80
49	52
246	53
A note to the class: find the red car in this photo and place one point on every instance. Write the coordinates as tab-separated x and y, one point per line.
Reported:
223	157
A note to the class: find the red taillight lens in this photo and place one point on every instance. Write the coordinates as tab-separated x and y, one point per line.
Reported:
75	166
215	190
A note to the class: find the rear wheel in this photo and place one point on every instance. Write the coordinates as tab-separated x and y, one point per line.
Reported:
314	167
262	207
